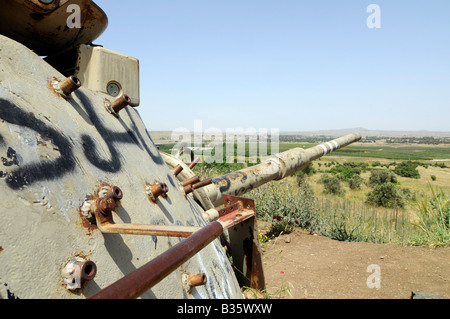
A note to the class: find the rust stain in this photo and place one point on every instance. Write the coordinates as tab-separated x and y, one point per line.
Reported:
89	224
52	89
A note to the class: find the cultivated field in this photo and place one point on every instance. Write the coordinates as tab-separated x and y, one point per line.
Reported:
319	245
348	211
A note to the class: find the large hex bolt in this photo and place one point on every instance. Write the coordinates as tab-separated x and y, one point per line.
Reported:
157	190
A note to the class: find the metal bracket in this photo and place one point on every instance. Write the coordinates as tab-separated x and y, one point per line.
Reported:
243	243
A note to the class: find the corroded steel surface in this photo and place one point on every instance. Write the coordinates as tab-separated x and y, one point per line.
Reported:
139	281
144	278
68	152
43	28
59	153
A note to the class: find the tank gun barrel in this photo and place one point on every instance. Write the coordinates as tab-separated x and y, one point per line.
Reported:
276	167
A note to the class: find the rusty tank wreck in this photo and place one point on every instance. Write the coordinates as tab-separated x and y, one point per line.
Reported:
90	207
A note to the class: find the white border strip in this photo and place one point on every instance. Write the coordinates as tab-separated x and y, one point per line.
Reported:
325	150
331	146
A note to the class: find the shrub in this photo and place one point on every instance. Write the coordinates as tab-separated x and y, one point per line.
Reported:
386	195
332	185
355	182
433	177
346	171
375	164
407	169
379	177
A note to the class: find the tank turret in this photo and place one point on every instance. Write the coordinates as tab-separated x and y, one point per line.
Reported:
90	207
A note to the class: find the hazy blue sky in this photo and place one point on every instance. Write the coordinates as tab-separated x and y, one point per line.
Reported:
295	65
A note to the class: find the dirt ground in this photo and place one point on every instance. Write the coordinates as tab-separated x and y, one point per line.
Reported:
305	266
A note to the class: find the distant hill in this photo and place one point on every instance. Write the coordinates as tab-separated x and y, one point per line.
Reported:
161	137
365	132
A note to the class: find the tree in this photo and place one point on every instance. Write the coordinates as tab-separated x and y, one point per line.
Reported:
407	169
386	195
332	185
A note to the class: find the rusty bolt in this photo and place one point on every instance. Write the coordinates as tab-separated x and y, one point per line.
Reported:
196	280
109	203
88	270
114	193
67	86
156	190
190	281
121	103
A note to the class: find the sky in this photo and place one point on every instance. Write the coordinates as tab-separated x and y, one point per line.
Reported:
292	65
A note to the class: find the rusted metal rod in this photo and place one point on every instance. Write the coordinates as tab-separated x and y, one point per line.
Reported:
194	162
177	170
139	281
203	183
189	188
102	209
191	181
147	229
